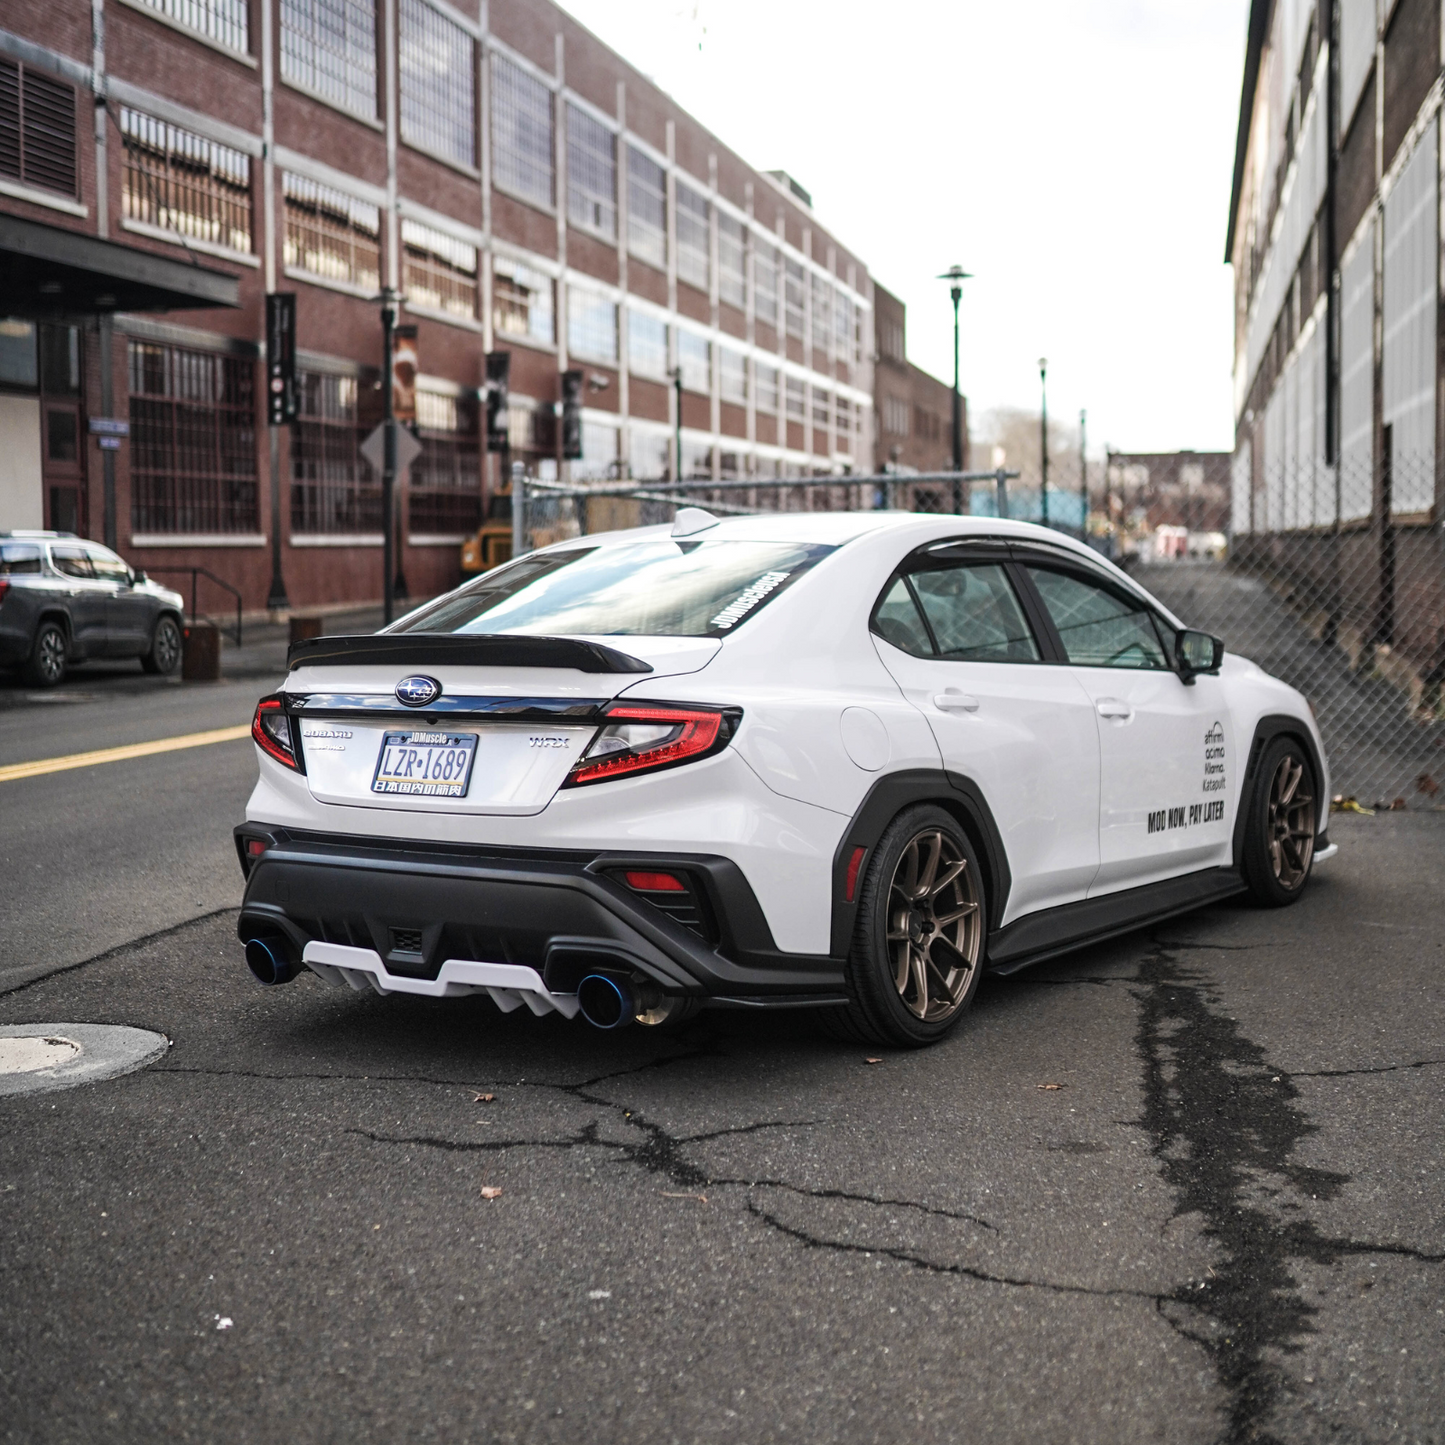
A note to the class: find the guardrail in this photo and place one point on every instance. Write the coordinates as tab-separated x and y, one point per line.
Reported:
196	573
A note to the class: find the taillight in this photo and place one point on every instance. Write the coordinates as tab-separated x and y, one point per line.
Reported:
640	739
4	588
271	729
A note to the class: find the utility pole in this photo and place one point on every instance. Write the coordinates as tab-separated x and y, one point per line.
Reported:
1083	476
388	470
956	276
676	374
1044	437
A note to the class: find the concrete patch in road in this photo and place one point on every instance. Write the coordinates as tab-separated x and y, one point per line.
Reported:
39	1058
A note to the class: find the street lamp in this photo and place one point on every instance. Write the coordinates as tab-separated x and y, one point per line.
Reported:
956	276
1044	438
1083	477
676	377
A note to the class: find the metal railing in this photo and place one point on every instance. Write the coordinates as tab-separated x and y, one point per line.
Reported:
196	573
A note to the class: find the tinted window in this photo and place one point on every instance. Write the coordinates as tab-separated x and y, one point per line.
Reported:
71	561
897	621
974	615
18	557
657	587
108	565
1097	627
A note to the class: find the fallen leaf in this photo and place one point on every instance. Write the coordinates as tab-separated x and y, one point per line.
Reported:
1427	785
1052	1088
1350	805
872	1061
490	1191
484	1098
701	1198
1398	806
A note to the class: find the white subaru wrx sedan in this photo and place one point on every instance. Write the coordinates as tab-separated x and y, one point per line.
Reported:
839	760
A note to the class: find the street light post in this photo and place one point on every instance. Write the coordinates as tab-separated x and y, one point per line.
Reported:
388	469
676	375
1044	437
956	276
1083	477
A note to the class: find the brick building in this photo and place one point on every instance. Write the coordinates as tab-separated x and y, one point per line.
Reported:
1146	490
166	163
913	411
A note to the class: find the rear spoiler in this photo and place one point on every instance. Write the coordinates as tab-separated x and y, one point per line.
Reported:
450	649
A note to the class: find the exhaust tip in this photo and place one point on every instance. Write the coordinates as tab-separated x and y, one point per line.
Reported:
270	961
606	1002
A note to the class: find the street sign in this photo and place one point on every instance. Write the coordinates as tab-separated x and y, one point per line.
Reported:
105	426
499	365
408	449
282	402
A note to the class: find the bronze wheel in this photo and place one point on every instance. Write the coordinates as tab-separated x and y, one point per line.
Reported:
1280	824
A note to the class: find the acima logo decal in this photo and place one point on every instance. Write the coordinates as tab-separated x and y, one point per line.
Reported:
418	691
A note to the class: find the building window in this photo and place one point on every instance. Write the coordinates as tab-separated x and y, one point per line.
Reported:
591	174
330	234
591	325
646	208
598	462
732	376
333	489
697	461
651	455
646	344
794	290
895	416
438	83
192	441
183	182
444	494
765	284
822	409
694	355
891	340
693	237
522	303
521	132
731	261
441	272
37	129
822	313
329	47
224	21
797	399
766	380
845	328
844	435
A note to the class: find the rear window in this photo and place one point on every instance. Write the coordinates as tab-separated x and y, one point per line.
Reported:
654	588
18	557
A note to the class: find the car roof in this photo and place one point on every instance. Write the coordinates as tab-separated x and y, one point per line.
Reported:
25	535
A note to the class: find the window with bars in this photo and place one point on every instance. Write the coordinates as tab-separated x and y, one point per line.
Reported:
647	344
333	489
224	21
845	328
438	83
329	48
646	209
192	441
694	243
822	409
794	292
797	398
895	416
331	234
522	301
822	312
521	132
731	261
766	382
445	487
765	284
732	376
694	356
440	271
37	129
843	438
591	174
591	325
182	182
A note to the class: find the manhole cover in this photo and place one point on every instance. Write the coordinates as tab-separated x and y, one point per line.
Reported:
36	1058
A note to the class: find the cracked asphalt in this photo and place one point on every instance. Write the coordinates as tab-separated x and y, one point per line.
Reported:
1182	1187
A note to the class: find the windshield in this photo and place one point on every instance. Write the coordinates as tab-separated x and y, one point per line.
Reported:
654	588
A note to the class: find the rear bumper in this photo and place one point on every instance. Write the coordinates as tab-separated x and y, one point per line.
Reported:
559	915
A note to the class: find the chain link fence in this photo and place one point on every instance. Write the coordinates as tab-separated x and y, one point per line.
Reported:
1292	567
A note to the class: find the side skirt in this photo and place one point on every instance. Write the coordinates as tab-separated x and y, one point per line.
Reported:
1044	935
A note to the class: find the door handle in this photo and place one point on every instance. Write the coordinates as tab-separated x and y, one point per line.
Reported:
953	701
1114	707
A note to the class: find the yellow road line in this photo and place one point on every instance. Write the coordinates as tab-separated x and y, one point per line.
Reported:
13	771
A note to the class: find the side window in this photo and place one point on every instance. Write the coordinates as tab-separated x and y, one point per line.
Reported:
1097	627
107	565
71	562
17	557
974	615
897	621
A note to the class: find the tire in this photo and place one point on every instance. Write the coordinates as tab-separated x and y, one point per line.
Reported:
165	651
45	667
899	934
1279	832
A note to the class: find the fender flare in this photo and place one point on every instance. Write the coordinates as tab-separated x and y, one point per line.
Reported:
1266	730
953	792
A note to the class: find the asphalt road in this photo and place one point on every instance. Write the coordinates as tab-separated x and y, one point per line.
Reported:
1183	1187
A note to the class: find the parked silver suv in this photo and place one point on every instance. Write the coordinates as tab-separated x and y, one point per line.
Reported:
65	600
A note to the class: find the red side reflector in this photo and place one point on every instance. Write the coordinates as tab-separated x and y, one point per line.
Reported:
255	847
655	882
854	863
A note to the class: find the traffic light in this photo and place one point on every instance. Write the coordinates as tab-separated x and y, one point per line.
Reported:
572	416
499	367
281	398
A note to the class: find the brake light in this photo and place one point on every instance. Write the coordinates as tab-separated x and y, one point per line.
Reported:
271	729
637	739
655	882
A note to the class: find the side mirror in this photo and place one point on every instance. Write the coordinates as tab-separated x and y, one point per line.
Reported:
1197	652
137	577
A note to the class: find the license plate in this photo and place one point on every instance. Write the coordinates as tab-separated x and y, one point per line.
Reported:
434	765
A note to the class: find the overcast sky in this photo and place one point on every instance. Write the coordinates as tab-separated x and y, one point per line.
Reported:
1076	155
